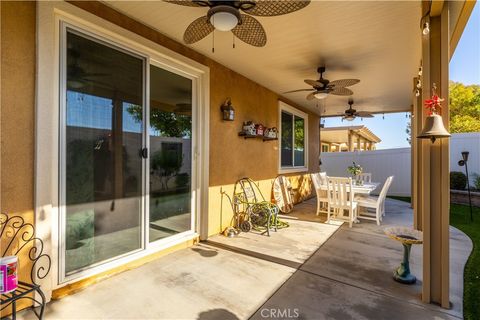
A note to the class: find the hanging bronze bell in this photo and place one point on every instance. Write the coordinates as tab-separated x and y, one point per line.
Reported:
434	128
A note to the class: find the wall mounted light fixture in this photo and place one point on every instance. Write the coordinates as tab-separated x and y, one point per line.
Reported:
228	113
426	28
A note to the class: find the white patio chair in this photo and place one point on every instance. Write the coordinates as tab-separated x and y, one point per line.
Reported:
341	200
365	177
376	203
319	180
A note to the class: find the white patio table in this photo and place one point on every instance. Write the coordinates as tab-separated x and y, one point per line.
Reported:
366	188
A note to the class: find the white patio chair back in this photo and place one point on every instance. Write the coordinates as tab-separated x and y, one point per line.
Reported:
383	194
319	181
316	181
365	177
340	199
376	203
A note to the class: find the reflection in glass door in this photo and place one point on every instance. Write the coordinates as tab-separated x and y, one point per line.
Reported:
108	208
102	139
170	135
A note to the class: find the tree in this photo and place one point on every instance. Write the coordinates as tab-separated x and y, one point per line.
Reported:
464	107
167	123
166	164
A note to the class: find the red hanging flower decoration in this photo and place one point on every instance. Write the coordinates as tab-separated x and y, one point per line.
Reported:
433	105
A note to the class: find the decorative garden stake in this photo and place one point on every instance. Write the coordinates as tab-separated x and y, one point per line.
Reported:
462	163
228	113
434	128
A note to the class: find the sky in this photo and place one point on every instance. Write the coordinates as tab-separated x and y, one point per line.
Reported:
464	67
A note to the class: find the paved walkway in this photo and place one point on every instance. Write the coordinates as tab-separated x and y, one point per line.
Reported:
350	276
337	273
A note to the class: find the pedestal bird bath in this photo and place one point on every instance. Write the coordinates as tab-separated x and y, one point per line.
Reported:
407	237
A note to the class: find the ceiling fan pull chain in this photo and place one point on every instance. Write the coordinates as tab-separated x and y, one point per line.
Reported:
213	41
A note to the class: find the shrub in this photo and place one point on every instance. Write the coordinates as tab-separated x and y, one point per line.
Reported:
476	181
458	180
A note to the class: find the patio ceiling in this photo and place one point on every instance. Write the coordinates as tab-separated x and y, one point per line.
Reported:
376	42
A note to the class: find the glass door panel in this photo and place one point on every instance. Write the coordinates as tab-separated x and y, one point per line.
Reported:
170	135
102	139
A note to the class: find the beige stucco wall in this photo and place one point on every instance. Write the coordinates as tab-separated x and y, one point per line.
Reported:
231	157
17	116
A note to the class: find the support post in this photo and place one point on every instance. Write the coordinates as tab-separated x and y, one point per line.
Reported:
433	180
350	141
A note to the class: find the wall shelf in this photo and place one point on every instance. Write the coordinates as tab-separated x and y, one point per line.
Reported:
253	136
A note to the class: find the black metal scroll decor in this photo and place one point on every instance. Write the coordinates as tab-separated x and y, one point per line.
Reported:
17	235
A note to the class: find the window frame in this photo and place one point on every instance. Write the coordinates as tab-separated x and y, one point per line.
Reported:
325	145
283	107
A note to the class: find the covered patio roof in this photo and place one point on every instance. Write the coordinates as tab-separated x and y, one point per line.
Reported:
340	134
376	42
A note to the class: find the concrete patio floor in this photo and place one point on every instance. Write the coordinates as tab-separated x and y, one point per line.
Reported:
326	273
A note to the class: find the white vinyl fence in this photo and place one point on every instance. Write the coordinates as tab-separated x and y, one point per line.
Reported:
397	162
381	163
466	142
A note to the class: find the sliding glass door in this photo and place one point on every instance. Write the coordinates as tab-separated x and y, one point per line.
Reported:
170	135
117	194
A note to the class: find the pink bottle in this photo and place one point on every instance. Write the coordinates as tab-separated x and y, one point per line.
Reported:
8	274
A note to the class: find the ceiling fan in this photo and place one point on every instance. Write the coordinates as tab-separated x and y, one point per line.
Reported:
350	114
227	16
323	87
76	75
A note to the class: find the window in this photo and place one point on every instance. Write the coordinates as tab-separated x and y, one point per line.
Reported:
293	139
325	148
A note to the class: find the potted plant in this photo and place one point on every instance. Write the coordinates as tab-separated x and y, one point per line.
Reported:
355	170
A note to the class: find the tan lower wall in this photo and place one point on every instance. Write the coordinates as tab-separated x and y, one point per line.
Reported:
220	212
17	116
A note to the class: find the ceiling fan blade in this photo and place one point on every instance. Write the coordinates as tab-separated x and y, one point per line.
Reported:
276	8
313	83
364	114
311	96
299	90
344	82
197	30
188	3
341	91
250	31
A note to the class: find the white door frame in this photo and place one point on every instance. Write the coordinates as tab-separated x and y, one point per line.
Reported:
50	15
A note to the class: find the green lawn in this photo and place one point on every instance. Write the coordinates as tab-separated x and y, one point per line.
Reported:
460	219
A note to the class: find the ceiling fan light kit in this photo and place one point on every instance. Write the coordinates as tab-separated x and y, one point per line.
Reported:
223	18
321	95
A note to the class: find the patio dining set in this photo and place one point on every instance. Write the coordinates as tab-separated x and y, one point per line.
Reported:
343	198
